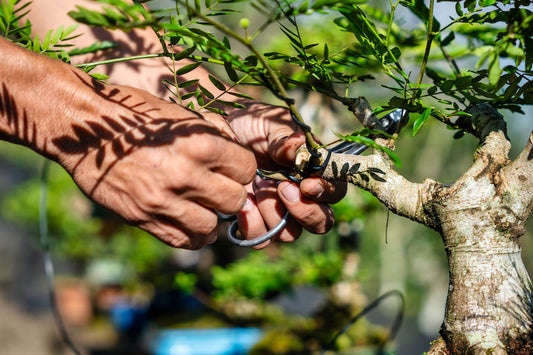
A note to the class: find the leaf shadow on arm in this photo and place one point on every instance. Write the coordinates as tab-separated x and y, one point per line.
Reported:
110	139
21	130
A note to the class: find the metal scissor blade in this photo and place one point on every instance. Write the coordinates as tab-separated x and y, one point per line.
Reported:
390	124
349	148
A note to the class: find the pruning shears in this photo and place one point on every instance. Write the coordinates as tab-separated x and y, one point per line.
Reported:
389	123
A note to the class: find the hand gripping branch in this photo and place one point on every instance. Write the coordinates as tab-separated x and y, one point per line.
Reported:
389	122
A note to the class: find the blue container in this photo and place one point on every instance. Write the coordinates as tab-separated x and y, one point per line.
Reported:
218	341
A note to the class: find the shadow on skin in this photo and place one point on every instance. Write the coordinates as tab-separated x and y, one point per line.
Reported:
123	134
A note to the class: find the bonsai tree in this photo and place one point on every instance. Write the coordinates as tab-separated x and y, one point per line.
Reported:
469	71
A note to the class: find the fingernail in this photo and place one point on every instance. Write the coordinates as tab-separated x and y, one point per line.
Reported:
316	191
248	205
290	192
212	238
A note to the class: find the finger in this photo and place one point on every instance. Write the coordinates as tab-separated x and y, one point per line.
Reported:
272	210
221	124
315	217
223	156
196	231
251	224
323	191
215	191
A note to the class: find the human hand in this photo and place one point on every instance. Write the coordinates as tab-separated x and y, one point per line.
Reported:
274	138
161	167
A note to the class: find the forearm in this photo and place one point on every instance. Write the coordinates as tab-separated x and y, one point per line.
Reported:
62	113
41	97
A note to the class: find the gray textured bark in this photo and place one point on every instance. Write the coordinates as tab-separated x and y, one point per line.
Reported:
480	217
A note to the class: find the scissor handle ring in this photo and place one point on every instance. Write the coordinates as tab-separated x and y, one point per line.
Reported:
232	230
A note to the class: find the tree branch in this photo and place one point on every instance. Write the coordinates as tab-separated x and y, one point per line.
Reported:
375	174
438	347
518	179
493	152
363	112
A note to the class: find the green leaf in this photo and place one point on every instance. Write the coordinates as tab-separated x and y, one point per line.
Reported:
230	103
470	5
363	29
459	134
99	76
226	42
188	95
36	45
463	82
377	177
494	69
241	95
67	31
449	39
458	8
187	68
57	35
231	72
206	92
393	55
218	84
512	89
46	41
216	110
184	53
528	44
98	46
421	120
187	83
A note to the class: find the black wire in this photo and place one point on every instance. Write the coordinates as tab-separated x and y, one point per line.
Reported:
47	258
393	329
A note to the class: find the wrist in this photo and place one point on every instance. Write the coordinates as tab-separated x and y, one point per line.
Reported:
41	99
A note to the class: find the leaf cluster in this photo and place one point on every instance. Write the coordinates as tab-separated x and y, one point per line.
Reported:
53	44
258	276
493	32
117	14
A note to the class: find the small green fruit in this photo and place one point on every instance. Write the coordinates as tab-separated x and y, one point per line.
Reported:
245	22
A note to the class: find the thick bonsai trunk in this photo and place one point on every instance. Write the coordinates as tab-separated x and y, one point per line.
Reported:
489	303
488	310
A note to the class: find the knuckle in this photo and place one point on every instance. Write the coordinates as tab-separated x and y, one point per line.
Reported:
235	204
205	147
312	220
181	242
153	202
308	217
207	229
250	168
320	223
291	234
